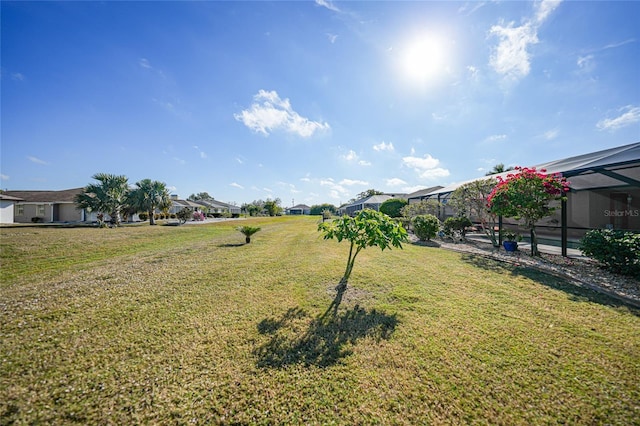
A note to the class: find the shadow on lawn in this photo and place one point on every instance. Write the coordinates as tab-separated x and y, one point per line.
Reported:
575	291
321	341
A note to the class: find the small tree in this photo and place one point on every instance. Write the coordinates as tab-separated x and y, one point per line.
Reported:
184	215
273	207
393	207
425	226
248	231
526	195
470	199
368	228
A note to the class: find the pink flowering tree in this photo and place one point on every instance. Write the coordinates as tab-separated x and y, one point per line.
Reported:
526	195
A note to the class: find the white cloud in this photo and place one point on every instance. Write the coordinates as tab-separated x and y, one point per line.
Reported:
395	182
586	62
336	189
511	56
364	163
426	167
328	4
495	138
16	76
202	154
473	73
545	7
4	177
551	134
269	113
332	37
410	189
628	115
350	182
36	160
144	63
179	161
469	7
428	162
382	146
350	156
236	185
435	173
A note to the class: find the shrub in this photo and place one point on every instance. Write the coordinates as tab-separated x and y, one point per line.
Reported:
393	206
617	250
425	226
457	224
143	216
37	219
198	216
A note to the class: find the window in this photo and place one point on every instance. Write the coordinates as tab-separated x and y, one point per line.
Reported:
19	209
40	210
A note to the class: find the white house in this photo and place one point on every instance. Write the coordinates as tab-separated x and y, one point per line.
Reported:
7	210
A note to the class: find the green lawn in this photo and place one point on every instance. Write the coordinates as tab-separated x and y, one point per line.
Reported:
182	325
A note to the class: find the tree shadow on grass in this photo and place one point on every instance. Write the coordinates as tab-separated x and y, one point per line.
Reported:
576	291
232	245
322	341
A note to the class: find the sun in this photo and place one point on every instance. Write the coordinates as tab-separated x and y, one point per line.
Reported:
424	59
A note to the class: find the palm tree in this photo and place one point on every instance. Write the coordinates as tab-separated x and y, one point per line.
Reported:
109	196
498	168
248	231
148	196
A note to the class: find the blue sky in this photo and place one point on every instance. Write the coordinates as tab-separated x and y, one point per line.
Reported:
310	102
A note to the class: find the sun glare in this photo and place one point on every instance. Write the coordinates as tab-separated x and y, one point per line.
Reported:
424	60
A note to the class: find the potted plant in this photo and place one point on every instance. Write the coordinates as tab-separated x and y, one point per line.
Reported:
511	239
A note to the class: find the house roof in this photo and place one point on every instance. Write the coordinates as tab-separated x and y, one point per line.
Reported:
373	199
9	198
186	203
64	196
300	207
613	167
217	204
423	192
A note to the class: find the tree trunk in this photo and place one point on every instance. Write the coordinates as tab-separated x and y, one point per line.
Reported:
342	286
248	239
534	242
152	219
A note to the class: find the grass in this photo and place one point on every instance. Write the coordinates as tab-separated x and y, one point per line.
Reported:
189	325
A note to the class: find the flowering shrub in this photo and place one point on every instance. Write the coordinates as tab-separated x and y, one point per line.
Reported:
526	195
198	216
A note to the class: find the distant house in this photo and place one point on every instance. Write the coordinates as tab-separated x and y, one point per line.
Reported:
215	206
300	209
373	202
7	204
46	206
178	204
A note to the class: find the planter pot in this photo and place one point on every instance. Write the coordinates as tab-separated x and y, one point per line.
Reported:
510	245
